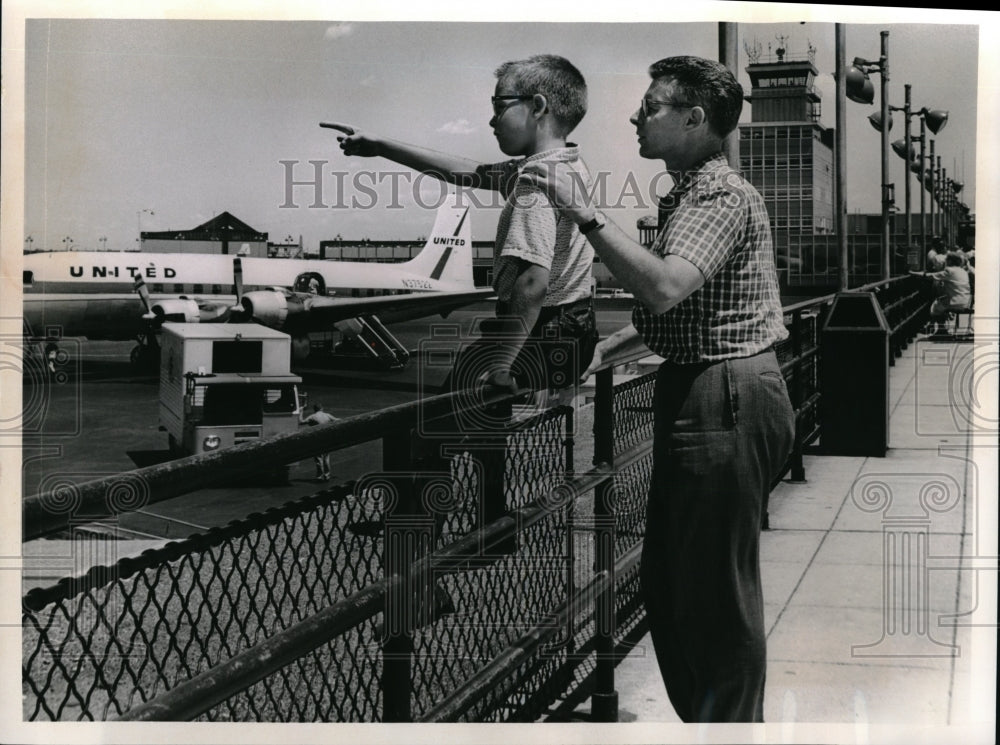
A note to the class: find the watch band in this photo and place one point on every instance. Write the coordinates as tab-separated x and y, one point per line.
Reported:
595	223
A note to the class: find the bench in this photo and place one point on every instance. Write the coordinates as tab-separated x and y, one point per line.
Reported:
959	313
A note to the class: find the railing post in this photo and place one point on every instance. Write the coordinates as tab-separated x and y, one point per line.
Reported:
403	534
798	467
604	702
490	447
570	543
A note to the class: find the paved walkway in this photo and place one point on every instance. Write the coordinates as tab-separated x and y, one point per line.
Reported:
879	578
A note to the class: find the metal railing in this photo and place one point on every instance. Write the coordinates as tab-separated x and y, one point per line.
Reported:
489	590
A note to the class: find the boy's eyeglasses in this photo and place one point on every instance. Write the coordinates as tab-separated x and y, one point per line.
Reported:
498	110
649	105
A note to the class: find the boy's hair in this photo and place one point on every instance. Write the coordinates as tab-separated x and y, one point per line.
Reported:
555	78
705	83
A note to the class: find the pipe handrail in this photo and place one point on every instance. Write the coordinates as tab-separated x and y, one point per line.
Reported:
48	512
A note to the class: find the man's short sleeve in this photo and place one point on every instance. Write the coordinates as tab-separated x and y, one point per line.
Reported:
708	226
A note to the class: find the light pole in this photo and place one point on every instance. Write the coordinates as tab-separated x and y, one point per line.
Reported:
27	243
729	57
68	242
957	207
935	120
103	240
138	222
929	183
839	159
949	207
936	196
859	89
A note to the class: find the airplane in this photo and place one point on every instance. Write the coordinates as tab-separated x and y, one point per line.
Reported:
128	295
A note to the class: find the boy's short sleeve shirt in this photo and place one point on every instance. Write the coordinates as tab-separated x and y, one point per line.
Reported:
531	229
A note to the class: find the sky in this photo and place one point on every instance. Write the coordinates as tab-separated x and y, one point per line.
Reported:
162	124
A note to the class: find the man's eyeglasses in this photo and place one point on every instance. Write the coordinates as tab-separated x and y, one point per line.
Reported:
495	100
649	105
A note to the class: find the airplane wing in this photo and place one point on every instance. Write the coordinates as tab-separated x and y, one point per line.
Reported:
324	311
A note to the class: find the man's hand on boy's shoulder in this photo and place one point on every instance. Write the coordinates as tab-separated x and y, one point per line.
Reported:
355	142
564	186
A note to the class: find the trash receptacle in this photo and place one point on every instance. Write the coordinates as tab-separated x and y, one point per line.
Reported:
854	375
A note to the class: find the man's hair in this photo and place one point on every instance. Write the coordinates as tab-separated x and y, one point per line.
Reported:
317	407
953	258
705	83
555	78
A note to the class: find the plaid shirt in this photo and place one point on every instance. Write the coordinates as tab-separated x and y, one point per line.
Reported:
716	220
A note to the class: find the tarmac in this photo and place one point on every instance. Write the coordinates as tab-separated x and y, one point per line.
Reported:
879	578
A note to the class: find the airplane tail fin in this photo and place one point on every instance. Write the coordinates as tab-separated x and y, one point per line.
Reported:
447	255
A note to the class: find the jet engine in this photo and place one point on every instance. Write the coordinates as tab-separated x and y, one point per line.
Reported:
267	308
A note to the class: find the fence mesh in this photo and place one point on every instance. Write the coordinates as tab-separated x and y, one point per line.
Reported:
97	645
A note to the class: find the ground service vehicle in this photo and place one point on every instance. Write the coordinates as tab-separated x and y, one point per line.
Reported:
223	384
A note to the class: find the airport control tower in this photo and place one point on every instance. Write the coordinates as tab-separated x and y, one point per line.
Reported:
788	156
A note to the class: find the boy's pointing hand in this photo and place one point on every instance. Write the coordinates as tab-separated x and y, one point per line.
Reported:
354	142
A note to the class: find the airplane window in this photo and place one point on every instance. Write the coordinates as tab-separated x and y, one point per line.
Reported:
198	289
178	288
28	278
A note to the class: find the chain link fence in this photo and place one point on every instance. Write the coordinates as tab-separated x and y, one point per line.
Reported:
356	605
98	645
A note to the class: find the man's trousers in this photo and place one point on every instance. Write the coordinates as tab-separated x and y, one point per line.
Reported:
722	433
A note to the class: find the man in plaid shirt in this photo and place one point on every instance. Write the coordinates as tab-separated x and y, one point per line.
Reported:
708	303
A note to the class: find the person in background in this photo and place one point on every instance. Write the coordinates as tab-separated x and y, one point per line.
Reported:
318	417
935	257
953	291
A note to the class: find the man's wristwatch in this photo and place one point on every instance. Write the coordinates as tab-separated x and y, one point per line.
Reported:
595	223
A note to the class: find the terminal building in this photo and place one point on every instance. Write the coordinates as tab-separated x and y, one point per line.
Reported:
787	154
223	234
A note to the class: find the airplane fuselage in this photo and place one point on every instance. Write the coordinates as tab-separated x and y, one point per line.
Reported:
211	274
91	294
